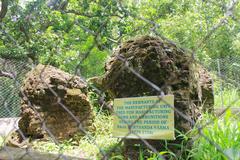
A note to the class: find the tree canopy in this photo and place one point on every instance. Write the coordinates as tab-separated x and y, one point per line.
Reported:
79	35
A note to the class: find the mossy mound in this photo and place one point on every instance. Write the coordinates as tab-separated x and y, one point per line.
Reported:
50	94
168	67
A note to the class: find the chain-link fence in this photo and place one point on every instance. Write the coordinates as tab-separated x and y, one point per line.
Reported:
10	100
223	67
55	107
227	67
226	79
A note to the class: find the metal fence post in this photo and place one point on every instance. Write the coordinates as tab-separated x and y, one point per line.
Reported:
221	83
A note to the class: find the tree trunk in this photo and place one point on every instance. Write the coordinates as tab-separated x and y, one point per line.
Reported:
4	9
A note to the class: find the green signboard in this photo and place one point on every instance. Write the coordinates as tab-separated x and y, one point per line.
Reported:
150	117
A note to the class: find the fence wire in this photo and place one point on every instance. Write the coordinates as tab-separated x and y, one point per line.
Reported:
224	70
8	93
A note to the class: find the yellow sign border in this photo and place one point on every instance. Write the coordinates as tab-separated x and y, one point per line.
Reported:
167	100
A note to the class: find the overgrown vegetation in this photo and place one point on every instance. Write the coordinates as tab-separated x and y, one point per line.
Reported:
87	146
78	36
225	94
228	97
64	33
225	132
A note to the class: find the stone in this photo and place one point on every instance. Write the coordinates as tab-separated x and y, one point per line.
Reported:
49	95
167	66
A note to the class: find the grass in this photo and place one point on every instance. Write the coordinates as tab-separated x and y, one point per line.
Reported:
228	97
87	146
225	94
224	133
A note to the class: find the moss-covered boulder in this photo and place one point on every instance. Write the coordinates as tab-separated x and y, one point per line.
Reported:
50	95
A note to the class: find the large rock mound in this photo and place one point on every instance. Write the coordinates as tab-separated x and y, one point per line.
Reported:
168	67
46	91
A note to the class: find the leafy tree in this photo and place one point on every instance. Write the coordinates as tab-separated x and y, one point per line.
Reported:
77	35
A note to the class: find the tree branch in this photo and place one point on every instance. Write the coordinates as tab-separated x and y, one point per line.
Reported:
90	15
6	74
4	9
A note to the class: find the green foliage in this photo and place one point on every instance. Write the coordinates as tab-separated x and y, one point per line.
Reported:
229	96
183	149
225	94
85	147
86	30
80	36
225	132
